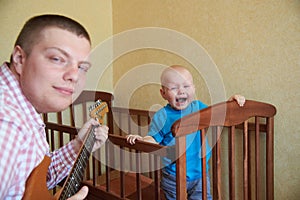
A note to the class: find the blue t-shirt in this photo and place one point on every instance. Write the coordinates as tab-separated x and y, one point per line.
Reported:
160	130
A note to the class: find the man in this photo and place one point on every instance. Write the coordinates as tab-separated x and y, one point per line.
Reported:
47	71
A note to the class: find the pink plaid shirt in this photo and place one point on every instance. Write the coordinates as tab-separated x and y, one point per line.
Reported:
23	142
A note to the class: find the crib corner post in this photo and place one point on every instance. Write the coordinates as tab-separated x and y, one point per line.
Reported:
270	159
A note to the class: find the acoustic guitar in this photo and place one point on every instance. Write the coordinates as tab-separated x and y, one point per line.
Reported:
36	187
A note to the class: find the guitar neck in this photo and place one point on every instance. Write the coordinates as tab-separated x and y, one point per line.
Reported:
73	181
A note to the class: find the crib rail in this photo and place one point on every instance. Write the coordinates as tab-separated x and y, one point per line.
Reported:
136	152
230	116
242	138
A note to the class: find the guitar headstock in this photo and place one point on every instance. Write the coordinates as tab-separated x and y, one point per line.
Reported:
98	110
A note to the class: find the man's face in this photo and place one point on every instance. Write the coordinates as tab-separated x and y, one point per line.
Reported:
54	72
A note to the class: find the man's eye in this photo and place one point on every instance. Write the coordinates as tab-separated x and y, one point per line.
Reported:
84	67
57	59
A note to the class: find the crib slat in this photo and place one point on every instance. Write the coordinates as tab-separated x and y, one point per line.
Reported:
107	168
180	171
139	123
122	175
59	121
52	132
94	174
217	162
129	131
52	140
219	180
257	159
153	158
245	157
270	158
249	152
138	175
203	164
157	177
119	124
231	158
72	116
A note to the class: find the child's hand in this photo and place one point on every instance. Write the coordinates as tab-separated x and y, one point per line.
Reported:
132	138
239	99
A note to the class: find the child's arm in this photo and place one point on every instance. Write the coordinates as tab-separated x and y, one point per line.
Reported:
238	98
132	138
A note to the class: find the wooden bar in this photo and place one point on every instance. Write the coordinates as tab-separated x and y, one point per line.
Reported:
128	117
157	177
52	140
107	168
180	169
138	174
270	159
60	133
245	161
231	158
72	115
214	166
119	125
122	182
249	152
151	158
203	164
84	111
218	146
257	159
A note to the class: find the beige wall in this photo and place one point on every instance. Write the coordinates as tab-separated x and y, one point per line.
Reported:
250	47
254	44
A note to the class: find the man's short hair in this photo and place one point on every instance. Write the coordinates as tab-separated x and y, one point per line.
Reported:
31	30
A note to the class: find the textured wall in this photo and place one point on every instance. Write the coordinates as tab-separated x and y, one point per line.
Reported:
255	46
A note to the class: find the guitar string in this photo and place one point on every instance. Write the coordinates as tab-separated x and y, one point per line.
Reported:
73	186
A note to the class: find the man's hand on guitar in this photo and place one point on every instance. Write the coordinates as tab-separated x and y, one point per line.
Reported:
81	194
101	134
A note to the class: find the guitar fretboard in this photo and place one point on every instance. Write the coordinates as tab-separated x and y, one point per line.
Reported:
72	184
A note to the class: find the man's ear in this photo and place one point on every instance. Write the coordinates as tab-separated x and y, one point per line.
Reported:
18	58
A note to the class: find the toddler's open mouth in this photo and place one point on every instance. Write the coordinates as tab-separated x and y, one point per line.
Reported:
181	100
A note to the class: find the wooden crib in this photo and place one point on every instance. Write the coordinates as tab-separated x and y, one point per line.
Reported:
230	115
122	171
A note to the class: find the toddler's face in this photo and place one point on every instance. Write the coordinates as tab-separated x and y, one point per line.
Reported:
178	88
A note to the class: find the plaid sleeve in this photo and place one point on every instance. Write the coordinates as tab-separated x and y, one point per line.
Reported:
14	165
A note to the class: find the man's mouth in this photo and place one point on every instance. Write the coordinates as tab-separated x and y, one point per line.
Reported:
65	90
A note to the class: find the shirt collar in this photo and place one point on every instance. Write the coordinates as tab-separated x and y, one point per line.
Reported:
18	97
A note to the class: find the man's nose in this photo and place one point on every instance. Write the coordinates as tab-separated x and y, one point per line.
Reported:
72	73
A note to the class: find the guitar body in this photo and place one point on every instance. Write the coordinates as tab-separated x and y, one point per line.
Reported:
36	186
